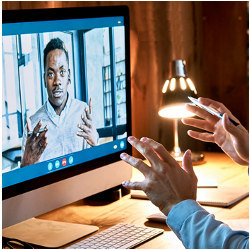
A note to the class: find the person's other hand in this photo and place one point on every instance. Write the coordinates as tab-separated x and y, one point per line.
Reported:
35	144
233	140
87	129
165	183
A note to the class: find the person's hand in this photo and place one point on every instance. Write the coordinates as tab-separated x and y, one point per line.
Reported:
35	144
233	140
165	183
87	129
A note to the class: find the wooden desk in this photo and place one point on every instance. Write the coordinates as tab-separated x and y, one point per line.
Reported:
105	215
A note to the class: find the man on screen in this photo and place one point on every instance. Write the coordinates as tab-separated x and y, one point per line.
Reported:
63	124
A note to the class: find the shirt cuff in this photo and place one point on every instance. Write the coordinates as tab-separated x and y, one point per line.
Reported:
180	212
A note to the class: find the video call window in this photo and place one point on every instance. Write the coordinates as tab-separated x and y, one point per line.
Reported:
97	70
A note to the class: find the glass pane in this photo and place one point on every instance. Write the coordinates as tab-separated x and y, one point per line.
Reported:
10	94
10	141
32	90
3	99
7	44
4	132
9	82
30	74
13	132
10	138
98	75
26	44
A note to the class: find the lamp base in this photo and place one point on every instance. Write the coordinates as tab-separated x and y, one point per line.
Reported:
197	157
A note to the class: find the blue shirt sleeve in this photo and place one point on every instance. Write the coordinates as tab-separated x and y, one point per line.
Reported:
197	228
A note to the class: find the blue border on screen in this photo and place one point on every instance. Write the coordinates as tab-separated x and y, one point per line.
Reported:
39	169
60	25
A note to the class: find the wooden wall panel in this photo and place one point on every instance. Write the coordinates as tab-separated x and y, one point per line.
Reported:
210	36
225	55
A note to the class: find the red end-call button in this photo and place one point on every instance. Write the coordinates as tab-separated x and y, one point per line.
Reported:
64	162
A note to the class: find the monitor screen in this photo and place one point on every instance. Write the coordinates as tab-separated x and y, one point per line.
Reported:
65	94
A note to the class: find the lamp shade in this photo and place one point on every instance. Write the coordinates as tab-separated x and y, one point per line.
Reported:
175	92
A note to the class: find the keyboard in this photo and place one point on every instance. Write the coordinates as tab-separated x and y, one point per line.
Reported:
122	236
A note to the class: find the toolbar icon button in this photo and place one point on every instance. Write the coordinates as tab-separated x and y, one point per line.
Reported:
122	144
71	159
64	162
57	164
50	166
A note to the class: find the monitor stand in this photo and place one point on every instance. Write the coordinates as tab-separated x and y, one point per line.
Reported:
47	233
110	195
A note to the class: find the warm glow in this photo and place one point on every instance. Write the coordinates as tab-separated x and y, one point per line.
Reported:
177	111
164	89
172	84
191	85
183	83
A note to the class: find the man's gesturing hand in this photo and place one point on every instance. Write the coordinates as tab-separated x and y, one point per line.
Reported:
87	128
35	144
165	183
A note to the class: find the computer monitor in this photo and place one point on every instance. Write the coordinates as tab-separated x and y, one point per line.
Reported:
45	170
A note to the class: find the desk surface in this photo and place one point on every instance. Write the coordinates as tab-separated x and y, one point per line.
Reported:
105	215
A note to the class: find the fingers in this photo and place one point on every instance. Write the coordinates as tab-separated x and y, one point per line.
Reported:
28	124
207	137
88	114
144	149
90	105
159	149
198	123
87	117
42	138
214	104
201	113
229	126
42	145
36	129
83	134
87	137
187	162
241	138
218	106
137	163
84	128
39	142
86	121
88	131
133	185
35	132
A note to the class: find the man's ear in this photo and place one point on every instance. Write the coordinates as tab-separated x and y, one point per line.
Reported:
69	81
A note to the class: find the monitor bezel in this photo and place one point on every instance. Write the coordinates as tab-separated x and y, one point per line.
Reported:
14	16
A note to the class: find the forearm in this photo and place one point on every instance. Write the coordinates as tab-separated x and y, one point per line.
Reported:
196	228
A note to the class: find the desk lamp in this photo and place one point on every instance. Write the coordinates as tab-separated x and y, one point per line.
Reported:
175	94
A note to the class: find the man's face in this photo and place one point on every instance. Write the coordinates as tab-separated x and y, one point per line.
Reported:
57	78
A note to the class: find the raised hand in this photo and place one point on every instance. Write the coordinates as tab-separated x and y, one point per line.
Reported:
35	144
233	140
87	128
165	183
